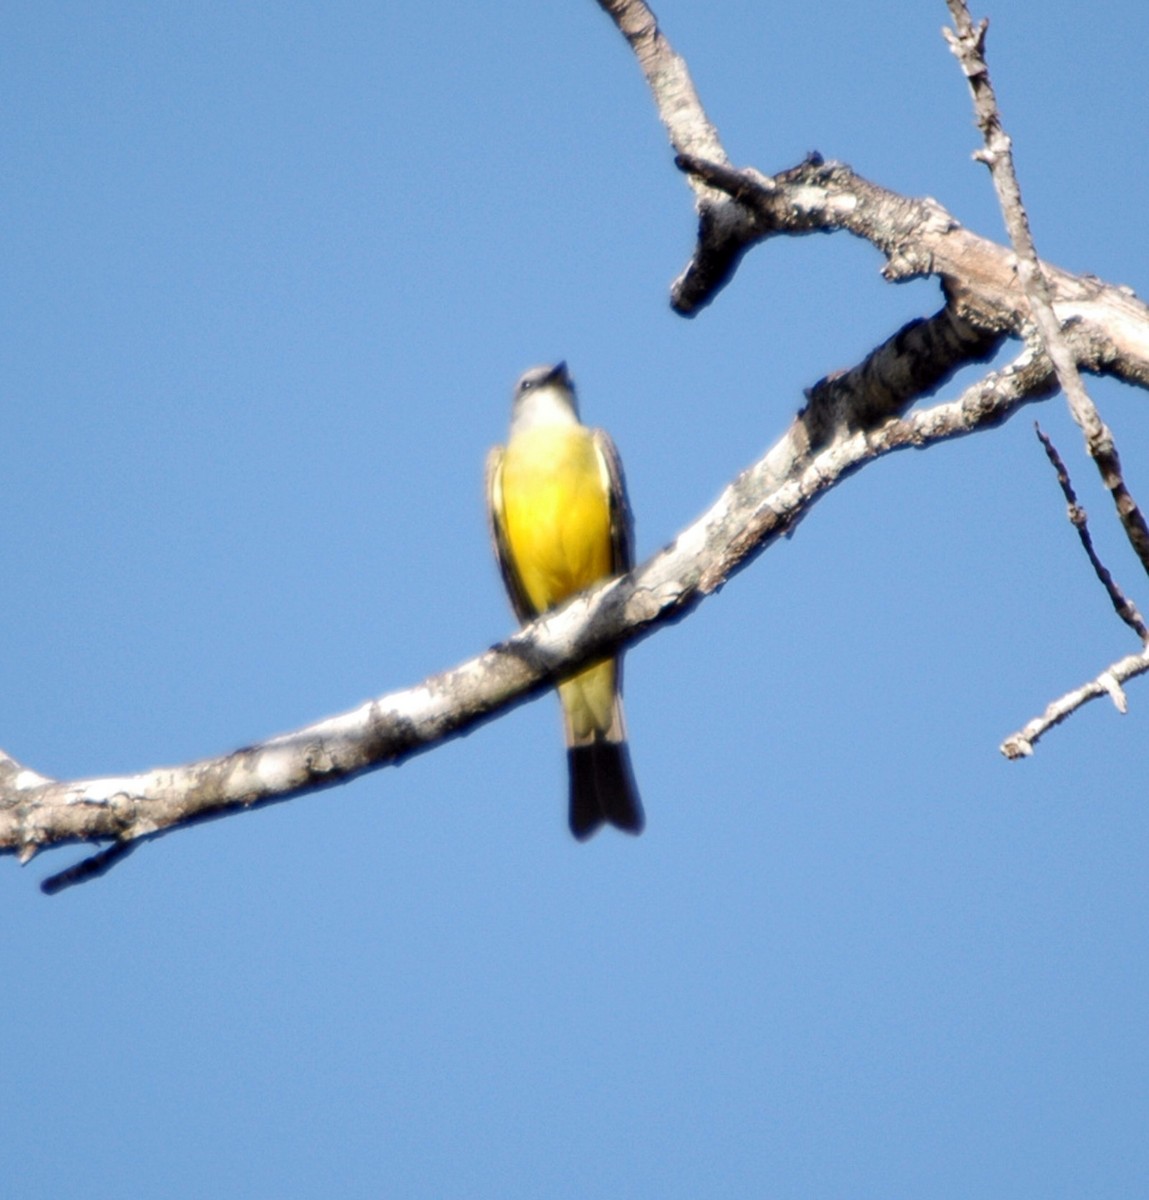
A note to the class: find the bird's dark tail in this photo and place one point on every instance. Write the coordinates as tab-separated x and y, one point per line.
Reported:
603	790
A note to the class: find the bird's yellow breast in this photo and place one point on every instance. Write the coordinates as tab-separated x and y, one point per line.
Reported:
556	512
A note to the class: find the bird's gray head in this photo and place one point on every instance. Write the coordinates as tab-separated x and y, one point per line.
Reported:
544	395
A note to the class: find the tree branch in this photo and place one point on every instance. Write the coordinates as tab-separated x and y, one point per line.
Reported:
725	229
1109	324
1108	683
913	363
968	46
1124	607
89	868
764	502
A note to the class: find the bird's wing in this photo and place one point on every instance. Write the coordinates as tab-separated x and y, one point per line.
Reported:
495	518
621	517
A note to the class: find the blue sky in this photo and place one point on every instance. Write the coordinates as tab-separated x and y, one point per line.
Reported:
268	276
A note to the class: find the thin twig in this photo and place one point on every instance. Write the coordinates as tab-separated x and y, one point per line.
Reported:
89	868
1124	607
968	46
1108	683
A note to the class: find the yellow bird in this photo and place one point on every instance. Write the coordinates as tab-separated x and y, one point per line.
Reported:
560	522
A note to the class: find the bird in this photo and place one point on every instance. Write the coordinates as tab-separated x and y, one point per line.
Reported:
560	521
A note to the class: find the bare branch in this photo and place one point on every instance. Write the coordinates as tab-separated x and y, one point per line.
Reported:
1020	744
668	77
1108	683
764	502
913	363
725	230
984	405
88	868
1108	324
968	45
918	237
1124	607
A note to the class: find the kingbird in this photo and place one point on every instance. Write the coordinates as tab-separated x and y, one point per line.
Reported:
560	521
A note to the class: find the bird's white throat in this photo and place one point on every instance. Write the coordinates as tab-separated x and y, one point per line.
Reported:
545	405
